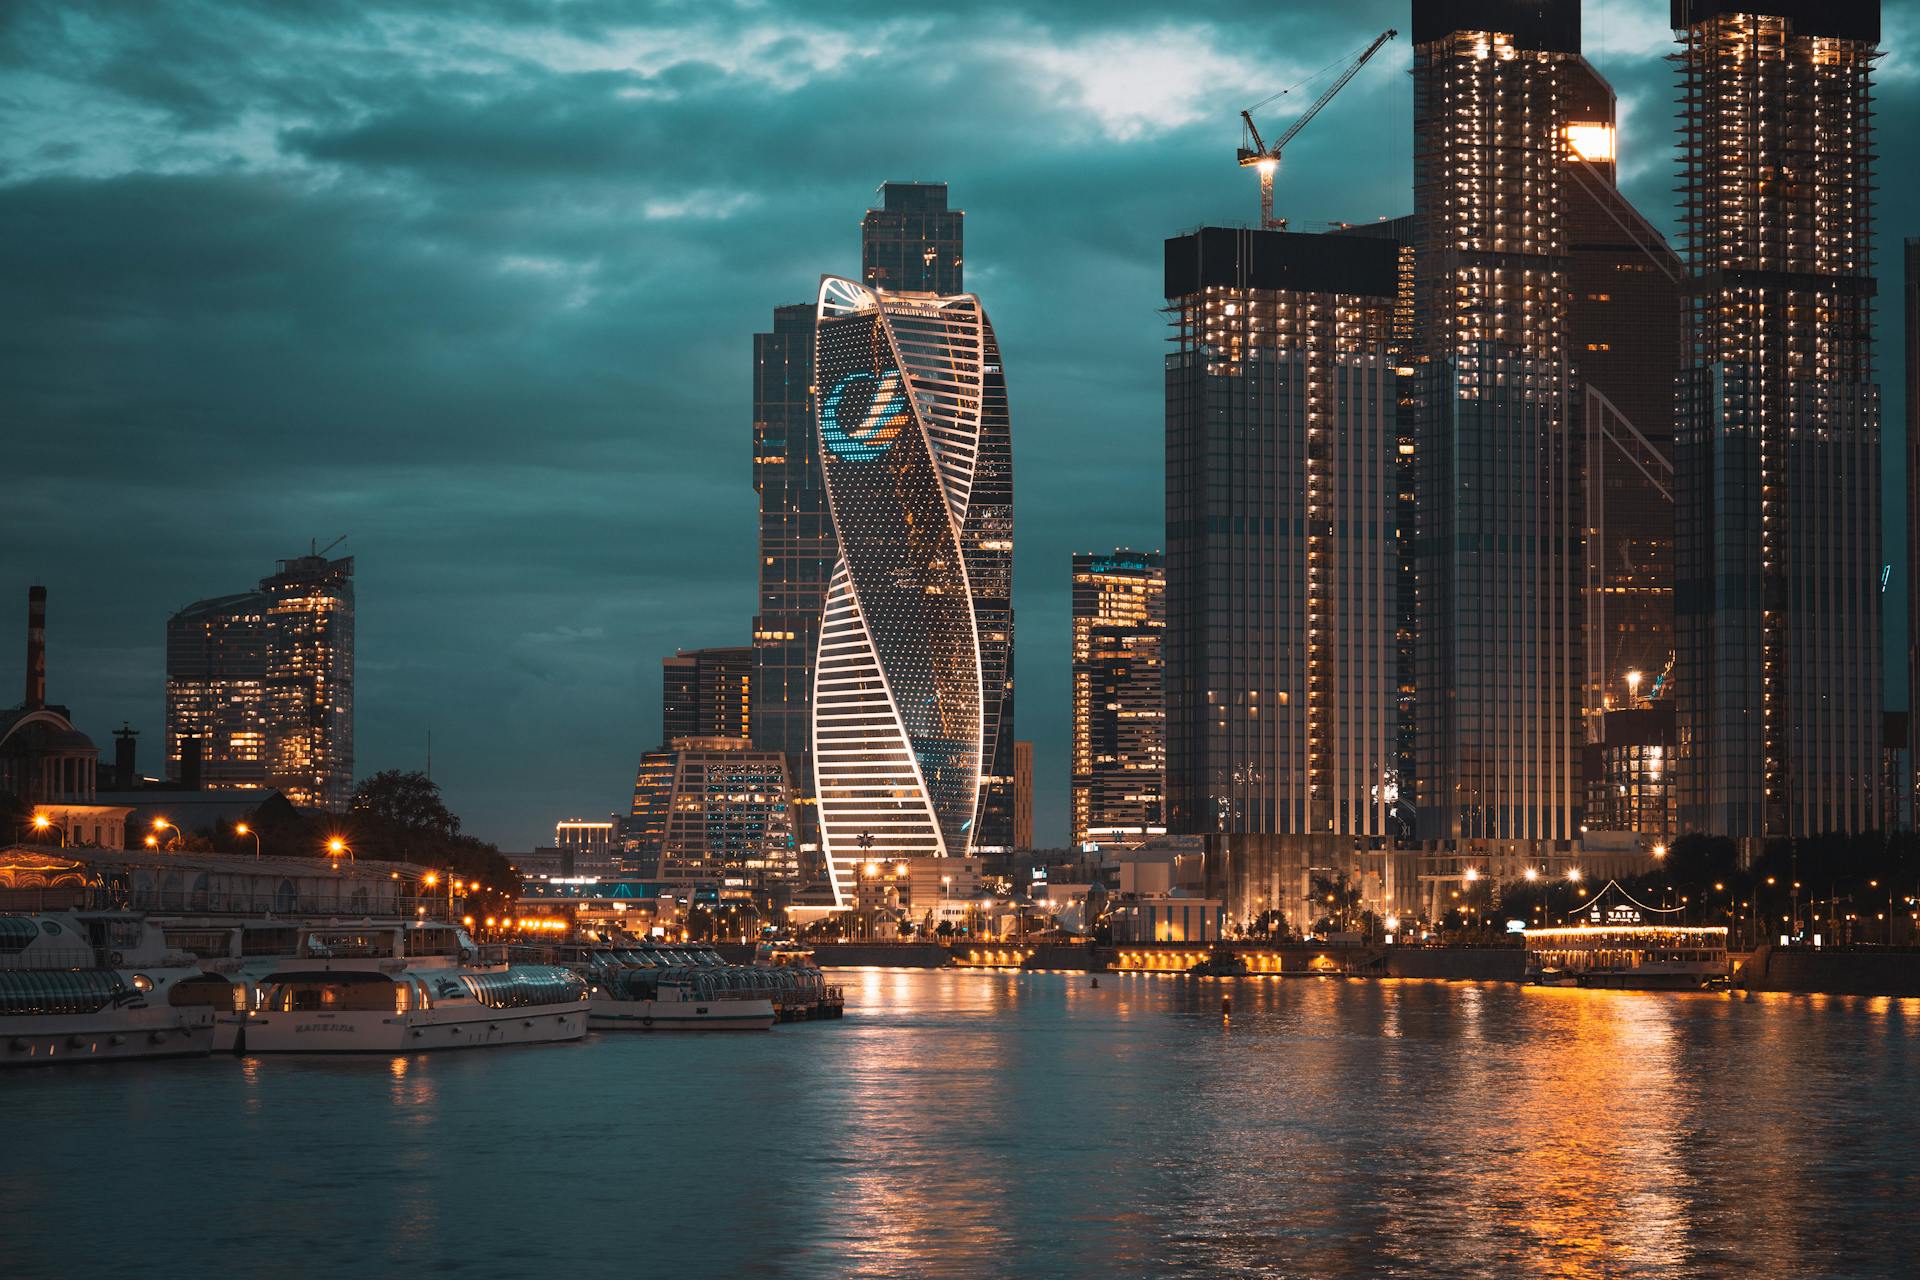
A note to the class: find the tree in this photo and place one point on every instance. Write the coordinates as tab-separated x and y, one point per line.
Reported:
408	800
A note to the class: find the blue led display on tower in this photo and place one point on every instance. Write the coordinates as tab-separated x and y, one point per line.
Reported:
877	409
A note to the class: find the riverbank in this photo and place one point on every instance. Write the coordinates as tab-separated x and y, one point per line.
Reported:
1872	971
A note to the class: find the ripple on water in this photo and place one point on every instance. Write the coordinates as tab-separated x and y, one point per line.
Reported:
989	1124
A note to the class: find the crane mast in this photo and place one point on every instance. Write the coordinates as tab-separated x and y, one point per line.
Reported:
1267	159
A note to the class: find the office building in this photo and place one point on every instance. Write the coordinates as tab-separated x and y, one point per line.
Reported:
707	693
1498	555
1283	576
260	686
1777	457
900	722
1911	295
216	693
1119	708
913	243
1623	328
716	810
1023	795
797	555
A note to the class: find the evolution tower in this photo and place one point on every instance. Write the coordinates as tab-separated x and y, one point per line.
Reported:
910	403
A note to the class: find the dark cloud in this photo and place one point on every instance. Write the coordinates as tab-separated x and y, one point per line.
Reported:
476	285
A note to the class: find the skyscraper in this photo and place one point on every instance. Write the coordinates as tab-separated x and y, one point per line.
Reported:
1119	706
1912	297
1499	555
905	404
1623	329
707	693
309	682
797	554
1023	795
260	685
706	808
913	243
1282	564
1777	464
216	692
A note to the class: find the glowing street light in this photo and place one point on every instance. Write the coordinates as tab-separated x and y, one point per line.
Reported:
43	824
1473	874
244	830
161	824
1532	873
1573	874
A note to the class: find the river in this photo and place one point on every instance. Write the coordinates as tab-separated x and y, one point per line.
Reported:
981	1124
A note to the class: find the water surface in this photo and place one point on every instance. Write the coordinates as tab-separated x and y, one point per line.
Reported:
979	1124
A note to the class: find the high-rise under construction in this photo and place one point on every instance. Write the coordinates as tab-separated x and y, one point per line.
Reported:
1778	451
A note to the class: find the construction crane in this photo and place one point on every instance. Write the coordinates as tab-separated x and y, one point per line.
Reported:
1267	159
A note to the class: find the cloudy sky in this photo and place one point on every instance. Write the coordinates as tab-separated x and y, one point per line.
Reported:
479	293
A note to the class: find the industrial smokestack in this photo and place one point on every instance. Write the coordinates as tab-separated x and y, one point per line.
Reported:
123	756
36	648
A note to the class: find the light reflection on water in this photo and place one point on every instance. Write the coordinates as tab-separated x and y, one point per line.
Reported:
983	1124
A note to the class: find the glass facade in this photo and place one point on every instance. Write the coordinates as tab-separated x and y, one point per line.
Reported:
309	681
1119	707
797	554
913	242
1283	667
216	704
899	720
707	693
1499	555
707	808
1777	460
1623	327
260	686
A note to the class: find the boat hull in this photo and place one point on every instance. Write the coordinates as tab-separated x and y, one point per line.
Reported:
124	1035
691	1015
366	1031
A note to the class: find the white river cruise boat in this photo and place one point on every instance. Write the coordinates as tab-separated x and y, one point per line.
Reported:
640	987
1615	941
407	988
95	986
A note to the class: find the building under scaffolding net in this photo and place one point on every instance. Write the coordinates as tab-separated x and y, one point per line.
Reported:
1777	465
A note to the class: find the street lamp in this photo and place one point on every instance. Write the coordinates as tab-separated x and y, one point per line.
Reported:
336	847
43	824
244	830
161	824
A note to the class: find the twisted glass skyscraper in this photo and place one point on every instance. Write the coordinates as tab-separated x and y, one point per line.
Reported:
910	404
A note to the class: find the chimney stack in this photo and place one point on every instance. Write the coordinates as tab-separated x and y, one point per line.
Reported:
36	648
123	758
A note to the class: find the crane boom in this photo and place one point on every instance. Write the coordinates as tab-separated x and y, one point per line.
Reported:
1326	94
1267	159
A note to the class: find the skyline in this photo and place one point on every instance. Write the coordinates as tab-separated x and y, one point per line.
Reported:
305	217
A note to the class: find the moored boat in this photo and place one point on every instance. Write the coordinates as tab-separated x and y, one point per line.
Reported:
89	986
408	988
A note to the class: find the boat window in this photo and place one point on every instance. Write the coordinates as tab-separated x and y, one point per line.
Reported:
524	985
31	991
16	932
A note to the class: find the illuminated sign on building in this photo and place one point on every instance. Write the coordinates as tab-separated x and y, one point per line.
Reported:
877	424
